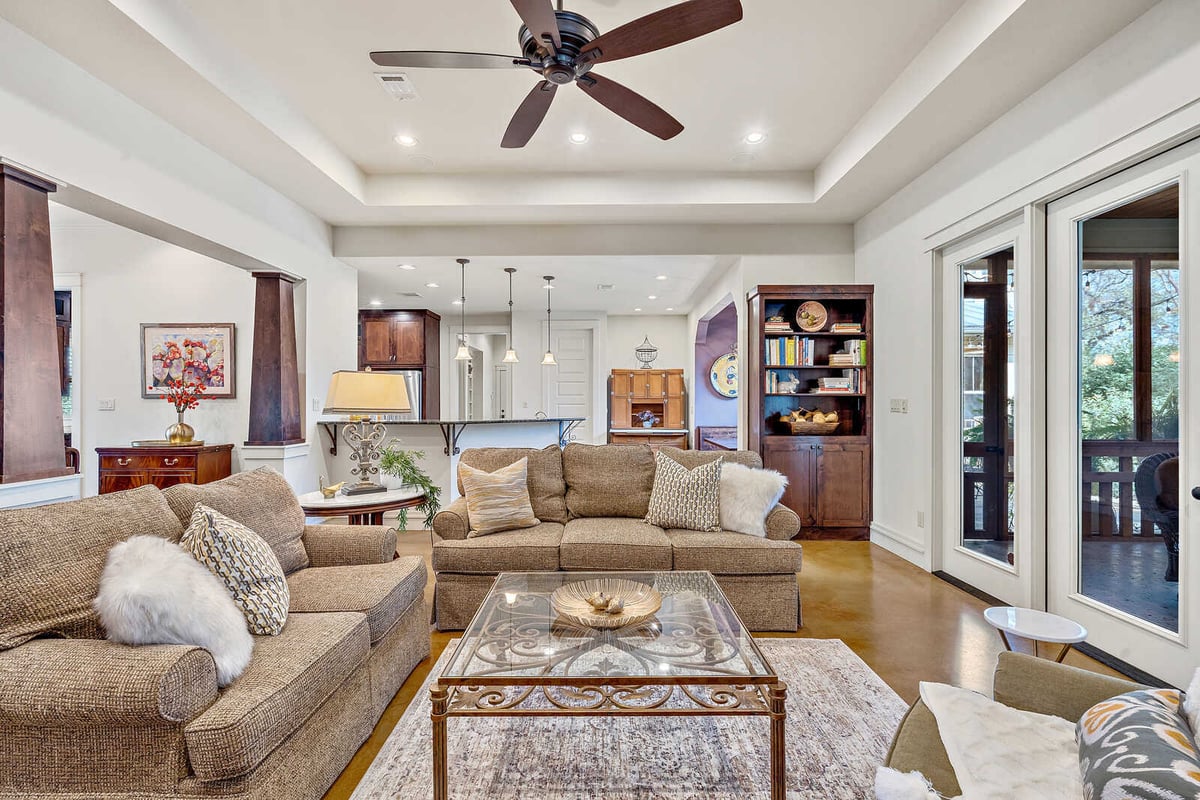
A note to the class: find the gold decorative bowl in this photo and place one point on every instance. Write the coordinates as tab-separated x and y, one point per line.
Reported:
641	602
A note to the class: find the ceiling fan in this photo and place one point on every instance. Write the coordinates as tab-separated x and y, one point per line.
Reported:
564	46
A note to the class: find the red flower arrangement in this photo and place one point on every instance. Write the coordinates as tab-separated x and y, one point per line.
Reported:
182	394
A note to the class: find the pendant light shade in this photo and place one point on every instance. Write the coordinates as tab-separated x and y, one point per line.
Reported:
548	359
464	352
510	355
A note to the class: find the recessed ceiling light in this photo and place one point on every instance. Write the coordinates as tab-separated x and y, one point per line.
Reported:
376	302
755	137
660	277
637	309
405	266
579	138
652	297
431	286
670	308
404	140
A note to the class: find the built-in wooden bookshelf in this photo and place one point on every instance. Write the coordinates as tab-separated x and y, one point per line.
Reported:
829	477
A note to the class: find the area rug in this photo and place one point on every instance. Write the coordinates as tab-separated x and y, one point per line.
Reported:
841	717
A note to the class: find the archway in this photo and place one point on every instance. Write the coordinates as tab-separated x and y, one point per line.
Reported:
716	411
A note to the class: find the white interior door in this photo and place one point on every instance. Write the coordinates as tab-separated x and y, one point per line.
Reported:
1124	387
990	513
569	384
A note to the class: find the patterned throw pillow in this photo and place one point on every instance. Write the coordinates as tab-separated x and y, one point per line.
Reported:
497	501
244	563
1138	747
684	498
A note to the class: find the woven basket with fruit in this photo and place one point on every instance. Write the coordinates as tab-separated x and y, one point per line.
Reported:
812	423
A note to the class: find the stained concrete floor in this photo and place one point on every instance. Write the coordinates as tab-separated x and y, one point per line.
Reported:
907	625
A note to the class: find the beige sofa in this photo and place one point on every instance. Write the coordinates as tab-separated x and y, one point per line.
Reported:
81	717
1021	681
592	501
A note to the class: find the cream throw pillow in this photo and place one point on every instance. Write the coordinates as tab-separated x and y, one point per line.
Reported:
246	565
684	498
497	501
747	496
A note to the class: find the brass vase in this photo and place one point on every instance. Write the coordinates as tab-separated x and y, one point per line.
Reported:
180	432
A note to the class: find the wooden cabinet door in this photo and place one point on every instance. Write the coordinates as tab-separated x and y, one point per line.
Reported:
120	481
674	381
656	385
375	345
843	474
673	414
408	341
796	460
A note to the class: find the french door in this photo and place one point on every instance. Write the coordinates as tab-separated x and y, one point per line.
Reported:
989	519
1123	412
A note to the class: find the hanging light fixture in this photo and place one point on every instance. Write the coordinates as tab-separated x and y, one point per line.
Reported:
464	352
548	359
510	355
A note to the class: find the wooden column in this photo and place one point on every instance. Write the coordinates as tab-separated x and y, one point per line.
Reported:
274	377
31	421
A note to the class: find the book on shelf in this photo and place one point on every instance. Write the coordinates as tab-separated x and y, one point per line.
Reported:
846	327
854	355
789	351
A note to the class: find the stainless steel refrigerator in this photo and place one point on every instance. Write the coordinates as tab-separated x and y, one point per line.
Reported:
412	382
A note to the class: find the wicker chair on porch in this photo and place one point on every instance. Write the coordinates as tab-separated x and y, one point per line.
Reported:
1146	485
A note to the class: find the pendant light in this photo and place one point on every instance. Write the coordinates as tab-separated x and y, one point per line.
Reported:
510	355
548	359
464	352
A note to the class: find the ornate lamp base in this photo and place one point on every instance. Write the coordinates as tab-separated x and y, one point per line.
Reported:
366	439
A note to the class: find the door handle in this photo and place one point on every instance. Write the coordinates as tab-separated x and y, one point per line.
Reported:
1196	492
991	448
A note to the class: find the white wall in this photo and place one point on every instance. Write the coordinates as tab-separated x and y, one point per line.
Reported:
627	331
1133	89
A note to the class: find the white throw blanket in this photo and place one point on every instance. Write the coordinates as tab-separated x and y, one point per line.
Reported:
998	753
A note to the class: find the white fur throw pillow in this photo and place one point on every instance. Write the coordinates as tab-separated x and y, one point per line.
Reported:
747	496
1191	706
152	592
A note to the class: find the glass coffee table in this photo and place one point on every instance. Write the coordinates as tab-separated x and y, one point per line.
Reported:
518	657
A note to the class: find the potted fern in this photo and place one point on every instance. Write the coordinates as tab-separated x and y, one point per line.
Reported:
401	467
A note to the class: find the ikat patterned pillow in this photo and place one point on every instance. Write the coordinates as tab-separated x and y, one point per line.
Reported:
246	565
688	499
1138	747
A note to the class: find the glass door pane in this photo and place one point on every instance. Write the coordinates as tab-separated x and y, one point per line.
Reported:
1129	406
988	356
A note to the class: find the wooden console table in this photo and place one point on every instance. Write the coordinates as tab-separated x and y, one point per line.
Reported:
164	465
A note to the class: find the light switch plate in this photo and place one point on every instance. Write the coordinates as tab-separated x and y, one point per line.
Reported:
899	405
107	404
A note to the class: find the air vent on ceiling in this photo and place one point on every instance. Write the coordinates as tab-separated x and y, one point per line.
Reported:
410	294
397	85
604	287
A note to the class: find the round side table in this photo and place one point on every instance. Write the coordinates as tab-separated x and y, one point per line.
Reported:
1040	626
363	509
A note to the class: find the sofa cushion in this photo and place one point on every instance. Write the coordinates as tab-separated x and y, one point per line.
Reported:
381	591
290	676
728	553
497	501
261	500
694	458
51	558
608	480
547	490
527	550
685	498
614	543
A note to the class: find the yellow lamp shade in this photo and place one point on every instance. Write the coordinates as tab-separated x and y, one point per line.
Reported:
353	392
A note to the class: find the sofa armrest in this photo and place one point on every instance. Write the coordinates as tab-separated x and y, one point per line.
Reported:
90	682
452	521
1039	685
347	545
918	746
782	524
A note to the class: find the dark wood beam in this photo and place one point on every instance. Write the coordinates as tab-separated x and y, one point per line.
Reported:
274	375
31	420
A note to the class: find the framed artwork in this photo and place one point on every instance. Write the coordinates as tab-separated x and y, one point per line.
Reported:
191	351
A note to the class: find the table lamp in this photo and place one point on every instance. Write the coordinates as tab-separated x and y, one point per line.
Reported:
363	395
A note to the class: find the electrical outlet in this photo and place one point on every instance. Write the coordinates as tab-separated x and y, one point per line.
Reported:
920	519
899	405
107	404
316	403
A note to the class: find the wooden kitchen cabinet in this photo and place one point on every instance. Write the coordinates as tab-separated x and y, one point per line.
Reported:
828	484
397	339
124	468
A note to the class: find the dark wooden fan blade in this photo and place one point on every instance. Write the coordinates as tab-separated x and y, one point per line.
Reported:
538	16
665	28
632	106
529	116
444	59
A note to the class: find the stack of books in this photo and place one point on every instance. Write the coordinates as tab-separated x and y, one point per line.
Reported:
843	385
790	351
846	327
777	325
854	355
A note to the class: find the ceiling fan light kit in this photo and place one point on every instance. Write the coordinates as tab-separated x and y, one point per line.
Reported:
563	46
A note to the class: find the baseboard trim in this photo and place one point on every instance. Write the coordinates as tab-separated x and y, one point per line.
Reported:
898	537
1091	651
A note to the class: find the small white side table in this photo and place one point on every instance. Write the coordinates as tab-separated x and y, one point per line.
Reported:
1040	626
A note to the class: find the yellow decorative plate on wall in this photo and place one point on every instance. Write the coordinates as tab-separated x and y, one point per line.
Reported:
724	375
